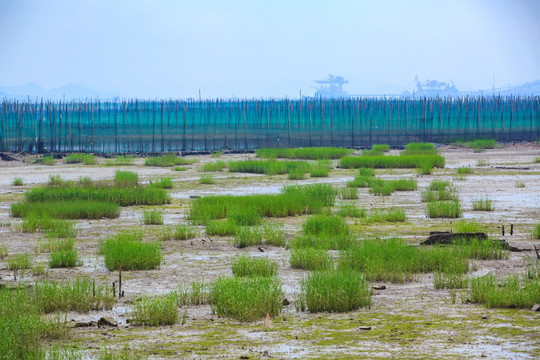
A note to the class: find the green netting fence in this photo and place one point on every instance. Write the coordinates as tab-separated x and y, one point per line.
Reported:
176	125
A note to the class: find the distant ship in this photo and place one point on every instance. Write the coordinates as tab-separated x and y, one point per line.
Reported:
331	87
434	88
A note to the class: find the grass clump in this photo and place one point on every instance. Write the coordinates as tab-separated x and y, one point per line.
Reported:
381	187
321	169
3	251
63	259
244	217
51	227
391	161
163	183
325	242
479	145
481	249
519	184
155	310
214	166
444	209
309	153
252	266
274	234
23	330
46	160
184	232
464	170
482	162
19	263
67	210
247	236
268	167
467	226
179	168
152	218
17	182
121	354
121	160
81	295
123	196
126	178
195	293
536	231
334	291
509	292
128	252
325	225
389	215
310	259
352	211
482	205
419	149
348	193
297	174
221	228
86	159
246	299
167	160
207	179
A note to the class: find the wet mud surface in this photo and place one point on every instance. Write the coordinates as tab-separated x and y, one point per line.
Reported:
411	320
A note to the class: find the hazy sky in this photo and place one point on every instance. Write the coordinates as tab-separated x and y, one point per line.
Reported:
257	48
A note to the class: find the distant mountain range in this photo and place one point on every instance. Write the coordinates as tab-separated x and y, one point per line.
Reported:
67	92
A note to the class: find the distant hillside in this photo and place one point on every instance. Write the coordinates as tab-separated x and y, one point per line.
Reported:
67	92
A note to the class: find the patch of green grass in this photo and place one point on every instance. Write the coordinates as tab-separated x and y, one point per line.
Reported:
63	259
120	160
23	330
482	162
124	196
467	226
52	245
274	234
310	259
444	209
46	160
247	236
18	262
221	228
464	170
309	153
163	183
391	161
380	148
394	260
419	149
183	232
334	291
520	184
509	292
207	179
352	211
152	218
17	182
244	217
246	299
297	174
216	154
67	210
214	166
321	169
268	167
195	293
3	251
179	168
127	251
126	178
348	193
536	231
327	242
439	185
167	160
254	266
86	159
404	184
325	225
381	187
388	215
360	181
155	310
429	196
294	200
51	227
81	295
481	249
537	160
482	205
479	145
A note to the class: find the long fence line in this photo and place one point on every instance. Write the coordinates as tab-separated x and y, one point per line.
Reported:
173	125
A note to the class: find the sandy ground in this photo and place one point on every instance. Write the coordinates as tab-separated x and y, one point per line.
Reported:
412	320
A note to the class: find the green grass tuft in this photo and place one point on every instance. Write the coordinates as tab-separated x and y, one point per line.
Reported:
254	266
482	205
155	310
310	259
127	251
152	218
444	209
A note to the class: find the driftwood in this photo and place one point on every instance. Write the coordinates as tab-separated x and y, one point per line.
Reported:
7	157
447	238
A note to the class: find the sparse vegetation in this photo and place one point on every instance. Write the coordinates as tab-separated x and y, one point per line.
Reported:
155	310
120	160
309	153
310	259
254	266
214	166
86	159
207	179
152	218
17	182
444	209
